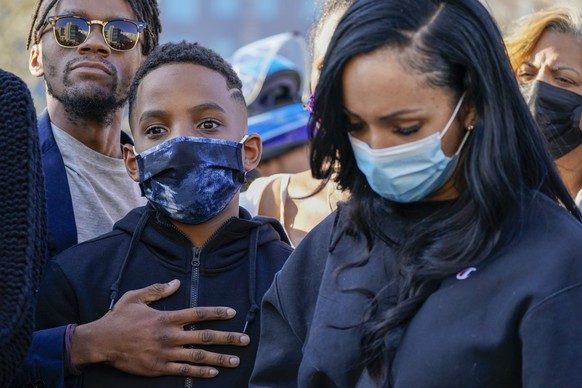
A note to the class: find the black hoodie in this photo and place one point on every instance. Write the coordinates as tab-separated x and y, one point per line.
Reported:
511	321
234	268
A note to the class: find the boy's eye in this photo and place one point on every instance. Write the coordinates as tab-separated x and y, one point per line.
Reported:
209	124
155	130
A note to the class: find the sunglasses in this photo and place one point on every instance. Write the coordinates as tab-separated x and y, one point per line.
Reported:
71	31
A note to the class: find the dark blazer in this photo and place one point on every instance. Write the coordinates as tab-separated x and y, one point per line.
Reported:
61	218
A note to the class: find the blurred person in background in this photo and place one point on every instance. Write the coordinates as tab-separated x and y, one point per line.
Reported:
277	115
545	49
298	200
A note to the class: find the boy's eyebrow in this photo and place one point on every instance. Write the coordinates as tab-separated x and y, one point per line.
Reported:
151	113
205	107
195	109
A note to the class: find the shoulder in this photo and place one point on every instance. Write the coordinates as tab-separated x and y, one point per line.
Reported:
252	198
88	253
308	260
548	220
264	195
542	250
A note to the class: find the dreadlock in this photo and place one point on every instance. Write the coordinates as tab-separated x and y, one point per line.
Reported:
145	10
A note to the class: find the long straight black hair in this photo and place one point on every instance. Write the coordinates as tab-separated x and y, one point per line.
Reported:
457	46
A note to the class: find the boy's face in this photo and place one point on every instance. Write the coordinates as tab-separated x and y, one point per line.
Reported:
185	99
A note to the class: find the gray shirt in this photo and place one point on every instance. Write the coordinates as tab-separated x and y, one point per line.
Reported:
101	189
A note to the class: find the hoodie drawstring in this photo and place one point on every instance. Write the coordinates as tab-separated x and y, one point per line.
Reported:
132	245
254	242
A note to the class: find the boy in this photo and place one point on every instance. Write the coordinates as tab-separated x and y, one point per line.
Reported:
188	118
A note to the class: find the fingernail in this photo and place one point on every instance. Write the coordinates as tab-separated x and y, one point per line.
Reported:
234	361
244	339
173	282
213	372
230	312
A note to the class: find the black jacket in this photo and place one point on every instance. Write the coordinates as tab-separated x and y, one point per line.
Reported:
234	269
513	321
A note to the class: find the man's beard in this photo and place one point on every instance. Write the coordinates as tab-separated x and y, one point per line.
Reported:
82	104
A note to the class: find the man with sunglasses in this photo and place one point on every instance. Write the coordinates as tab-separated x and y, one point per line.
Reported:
88	53
87	65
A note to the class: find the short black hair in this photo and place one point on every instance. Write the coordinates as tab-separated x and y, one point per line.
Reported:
186	52
145	11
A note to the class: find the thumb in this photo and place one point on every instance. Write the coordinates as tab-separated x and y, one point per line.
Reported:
152	293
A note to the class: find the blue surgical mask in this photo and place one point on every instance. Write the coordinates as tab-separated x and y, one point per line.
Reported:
191	179
411	171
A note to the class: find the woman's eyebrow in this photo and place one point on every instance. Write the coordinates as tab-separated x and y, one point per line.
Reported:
558	68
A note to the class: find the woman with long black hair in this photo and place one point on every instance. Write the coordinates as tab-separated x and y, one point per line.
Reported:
456	261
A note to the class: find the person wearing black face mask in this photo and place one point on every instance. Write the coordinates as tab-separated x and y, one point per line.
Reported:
557	111
545	49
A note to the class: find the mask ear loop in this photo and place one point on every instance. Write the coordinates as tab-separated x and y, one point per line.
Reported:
453	116
467	133
242	141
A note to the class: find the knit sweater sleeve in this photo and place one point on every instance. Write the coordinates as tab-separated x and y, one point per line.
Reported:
22	222
551	336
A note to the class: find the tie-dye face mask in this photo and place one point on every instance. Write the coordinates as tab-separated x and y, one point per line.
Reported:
191	179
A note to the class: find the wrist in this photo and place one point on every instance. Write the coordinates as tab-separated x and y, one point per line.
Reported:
70	368
85	347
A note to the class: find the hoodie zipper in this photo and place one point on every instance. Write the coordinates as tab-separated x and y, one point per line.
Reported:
195	281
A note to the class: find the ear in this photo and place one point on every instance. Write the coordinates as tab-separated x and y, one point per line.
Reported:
35	61
252	151
130	162
469	116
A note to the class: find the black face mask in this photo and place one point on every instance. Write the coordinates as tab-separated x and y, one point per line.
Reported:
557	112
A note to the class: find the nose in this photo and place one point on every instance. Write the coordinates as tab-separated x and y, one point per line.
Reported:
95	42
373	137
544	74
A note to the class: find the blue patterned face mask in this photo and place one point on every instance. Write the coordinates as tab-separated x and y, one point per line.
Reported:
191	179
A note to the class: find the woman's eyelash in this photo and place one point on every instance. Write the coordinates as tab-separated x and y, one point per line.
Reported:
407	130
